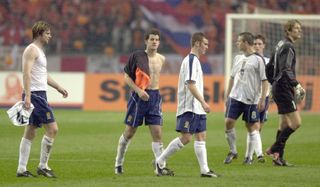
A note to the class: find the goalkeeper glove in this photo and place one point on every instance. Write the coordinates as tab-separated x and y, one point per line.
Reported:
299	93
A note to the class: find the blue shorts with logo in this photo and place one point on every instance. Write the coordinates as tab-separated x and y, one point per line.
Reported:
148	111
236	108
190	122
264	114
42	112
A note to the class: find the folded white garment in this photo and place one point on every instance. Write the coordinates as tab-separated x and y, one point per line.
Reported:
18	115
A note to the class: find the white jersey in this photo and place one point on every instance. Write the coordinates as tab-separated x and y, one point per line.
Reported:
266	59
39	72
190	70
247	72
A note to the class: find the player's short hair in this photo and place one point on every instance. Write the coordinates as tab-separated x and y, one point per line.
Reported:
289	25
247	37
152	31
197	37
39	28
260	37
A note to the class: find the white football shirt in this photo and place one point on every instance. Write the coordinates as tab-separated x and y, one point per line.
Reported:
266	59
247	72
190	70
39	72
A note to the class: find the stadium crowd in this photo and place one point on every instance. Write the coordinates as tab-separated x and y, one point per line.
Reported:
91	26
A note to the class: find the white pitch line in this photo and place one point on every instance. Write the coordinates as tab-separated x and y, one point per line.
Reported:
58	160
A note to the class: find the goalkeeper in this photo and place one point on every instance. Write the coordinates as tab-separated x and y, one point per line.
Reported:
286	90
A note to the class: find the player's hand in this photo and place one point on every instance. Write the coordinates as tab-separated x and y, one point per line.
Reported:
299	93
261	104
63	92
270	95
27	102
206	107
227	102
143	95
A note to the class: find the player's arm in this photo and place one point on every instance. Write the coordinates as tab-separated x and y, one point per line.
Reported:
264	85
230	85
162	58
142	94
28	58
262	103
56	86
194	91
287	70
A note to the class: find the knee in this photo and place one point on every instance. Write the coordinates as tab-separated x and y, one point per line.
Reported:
128	134
30	135
157	136
52	132
185	139
296	126
229	124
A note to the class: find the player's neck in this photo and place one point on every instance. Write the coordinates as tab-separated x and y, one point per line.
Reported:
151	52
195	52
292	39
249	51
38	43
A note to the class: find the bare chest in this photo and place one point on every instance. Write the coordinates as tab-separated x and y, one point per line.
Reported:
155	66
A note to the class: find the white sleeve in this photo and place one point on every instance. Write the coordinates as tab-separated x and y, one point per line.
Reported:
262	69
191	70
233	73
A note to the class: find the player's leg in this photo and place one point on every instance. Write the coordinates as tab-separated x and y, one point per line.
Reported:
123	144
156	145
134	118
24	151
200	148
175	145
234	110
253	140
46	148
293	122
186	126
153	118
289	119
263	118
252	118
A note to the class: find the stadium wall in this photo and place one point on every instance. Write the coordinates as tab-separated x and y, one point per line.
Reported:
99	92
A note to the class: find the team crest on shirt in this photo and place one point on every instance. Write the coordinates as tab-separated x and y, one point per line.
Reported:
253	115
48	115
129	118
186	124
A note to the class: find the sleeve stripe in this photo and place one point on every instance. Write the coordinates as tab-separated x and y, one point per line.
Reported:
191	57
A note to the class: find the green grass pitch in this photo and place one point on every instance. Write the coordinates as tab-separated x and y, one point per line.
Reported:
85	149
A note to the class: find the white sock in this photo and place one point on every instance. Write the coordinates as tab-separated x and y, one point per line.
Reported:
157	148
258	148
24	152
173	147
46	145
231	138
122	149
248	142
253	138
201	153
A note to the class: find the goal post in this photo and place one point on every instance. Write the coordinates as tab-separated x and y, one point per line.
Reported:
271	27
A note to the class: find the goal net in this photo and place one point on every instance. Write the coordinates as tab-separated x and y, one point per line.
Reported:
271	27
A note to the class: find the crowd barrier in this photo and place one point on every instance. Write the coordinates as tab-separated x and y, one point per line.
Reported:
108	92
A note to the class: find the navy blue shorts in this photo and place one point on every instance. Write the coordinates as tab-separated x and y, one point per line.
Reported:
139	110
283	96
236	108
264	113
42	112
190	122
